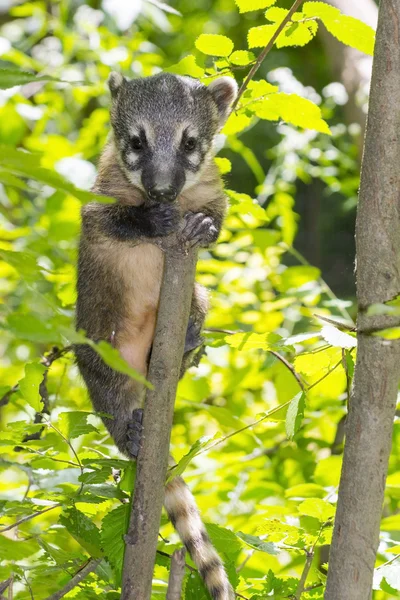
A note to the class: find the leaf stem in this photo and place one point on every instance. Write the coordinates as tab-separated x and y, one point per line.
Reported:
264	53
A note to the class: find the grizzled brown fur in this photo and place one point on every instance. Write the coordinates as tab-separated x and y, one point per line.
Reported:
158	165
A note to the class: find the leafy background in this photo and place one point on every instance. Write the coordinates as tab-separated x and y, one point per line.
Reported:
258	427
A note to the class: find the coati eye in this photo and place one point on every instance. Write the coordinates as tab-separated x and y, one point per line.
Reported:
190	144
136	143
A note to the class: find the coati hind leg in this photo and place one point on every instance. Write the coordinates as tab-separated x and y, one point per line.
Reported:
113	394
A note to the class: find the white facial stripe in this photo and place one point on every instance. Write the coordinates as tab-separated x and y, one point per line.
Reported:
136	129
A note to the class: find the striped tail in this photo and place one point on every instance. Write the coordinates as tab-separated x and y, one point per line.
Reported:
184	515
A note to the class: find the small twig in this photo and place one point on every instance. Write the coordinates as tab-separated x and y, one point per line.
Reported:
176	575
29	517
304	575
233	433
169	556
324	376
4	584
276	354
338	324
290	367
89	567
264	53
310	555
6	397
67	441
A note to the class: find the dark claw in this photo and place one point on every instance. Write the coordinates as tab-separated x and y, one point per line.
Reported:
134	433
198	230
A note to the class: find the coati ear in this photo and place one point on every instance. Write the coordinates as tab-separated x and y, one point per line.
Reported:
115	82
223	91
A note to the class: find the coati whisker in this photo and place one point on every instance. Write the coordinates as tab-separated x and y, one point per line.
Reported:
158	165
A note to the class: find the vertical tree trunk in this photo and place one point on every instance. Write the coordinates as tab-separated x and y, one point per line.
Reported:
165	364
377	375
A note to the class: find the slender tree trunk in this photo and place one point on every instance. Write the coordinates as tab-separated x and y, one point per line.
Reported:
165	364
373	401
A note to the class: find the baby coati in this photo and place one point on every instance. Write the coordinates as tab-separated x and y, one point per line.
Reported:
158	164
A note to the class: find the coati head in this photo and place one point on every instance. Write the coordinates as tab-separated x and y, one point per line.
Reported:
164	128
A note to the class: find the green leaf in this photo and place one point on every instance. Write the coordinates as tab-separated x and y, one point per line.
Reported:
295	414
83	530
348	30
297	34
195	588
224	165
335	337
187	66
391	333
24	262
317	508
214	45
261	87
305	490
259	37
26	164
74	423
113	529
236	123
291	108
13	550
241	58
257	543
243	204
249	5
197	447
10	77
248	341
93	477
113	359
278	531
295	277
224	540
29	385
32	328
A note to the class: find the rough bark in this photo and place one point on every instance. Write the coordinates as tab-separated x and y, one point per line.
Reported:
176	575
351	67
166	358
377	375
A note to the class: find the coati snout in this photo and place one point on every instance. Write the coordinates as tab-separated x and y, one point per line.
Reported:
163	129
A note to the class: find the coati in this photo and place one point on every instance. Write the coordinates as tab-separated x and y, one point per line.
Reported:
158	164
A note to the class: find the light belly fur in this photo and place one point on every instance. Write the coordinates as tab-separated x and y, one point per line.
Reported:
141	268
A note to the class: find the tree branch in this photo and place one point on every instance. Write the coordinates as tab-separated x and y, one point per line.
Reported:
29	517
91	566
264	53
176	575
164	369
377	373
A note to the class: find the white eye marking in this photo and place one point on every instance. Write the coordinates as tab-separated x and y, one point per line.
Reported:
195	159
131	158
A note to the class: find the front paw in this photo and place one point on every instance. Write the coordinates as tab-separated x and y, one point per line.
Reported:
198	230
161	219
134	433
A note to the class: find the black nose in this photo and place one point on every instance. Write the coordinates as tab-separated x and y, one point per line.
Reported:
162	194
